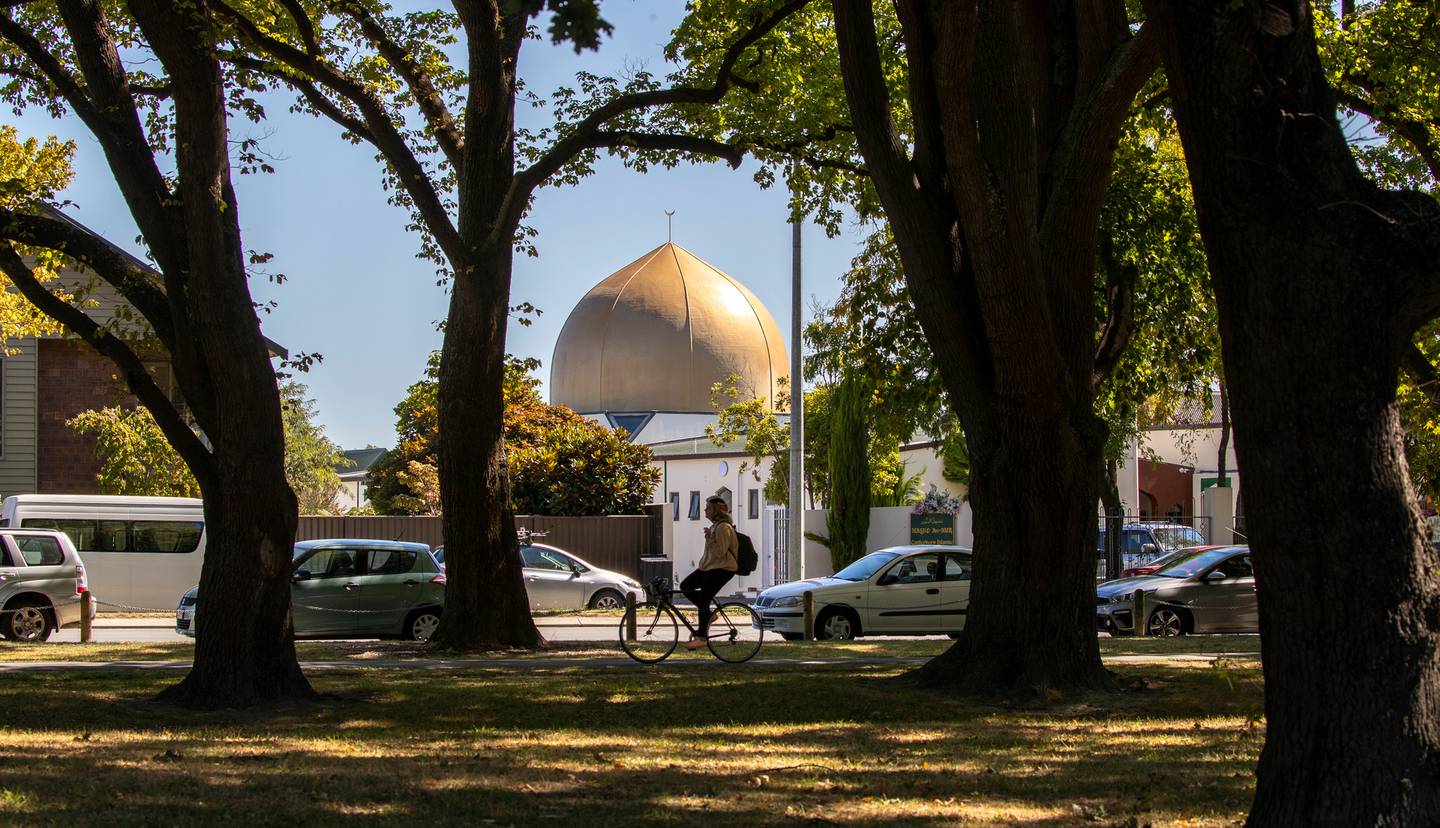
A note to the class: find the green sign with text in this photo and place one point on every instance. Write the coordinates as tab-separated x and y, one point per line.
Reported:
936	529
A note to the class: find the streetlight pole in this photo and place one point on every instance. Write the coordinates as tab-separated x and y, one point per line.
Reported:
797	416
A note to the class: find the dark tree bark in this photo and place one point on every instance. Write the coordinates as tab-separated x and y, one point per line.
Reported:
485	604
202	313
1017	108
1321	280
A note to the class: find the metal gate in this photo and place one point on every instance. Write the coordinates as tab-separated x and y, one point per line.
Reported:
780	559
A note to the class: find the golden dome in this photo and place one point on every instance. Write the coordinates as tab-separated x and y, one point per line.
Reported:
658	333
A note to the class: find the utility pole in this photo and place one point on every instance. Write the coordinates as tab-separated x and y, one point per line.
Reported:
797	415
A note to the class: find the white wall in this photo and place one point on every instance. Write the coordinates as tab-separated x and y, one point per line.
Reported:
889	526
705	475
927	459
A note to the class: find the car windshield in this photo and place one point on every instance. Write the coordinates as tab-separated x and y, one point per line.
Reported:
1174	557
1195	564
867	566
1176	537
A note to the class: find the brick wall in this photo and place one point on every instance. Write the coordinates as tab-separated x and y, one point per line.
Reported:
71	378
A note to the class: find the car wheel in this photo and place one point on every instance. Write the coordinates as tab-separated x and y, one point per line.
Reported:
28	620
837	625
1166	622
607	599
792	636
422	624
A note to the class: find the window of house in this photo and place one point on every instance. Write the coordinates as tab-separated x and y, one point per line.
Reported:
675	504
694	505
752	509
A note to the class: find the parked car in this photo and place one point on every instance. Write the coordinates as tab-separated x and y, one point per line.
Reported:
903	590
1143	543
556	579
42	582
1163	561
1208	591
355	589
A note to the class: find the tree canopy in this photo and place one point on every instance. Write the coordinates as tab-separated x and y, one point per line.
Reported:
560	463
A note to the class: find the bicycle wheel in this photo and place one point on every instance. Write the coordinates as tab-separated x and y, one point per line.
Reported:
735	633
656	633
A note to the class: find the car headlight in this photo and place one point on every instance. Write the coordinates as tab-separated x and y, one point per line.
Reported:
631	582
791	601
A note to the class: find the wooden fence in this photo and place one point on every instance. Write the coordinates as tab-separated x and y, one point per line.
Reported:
616	542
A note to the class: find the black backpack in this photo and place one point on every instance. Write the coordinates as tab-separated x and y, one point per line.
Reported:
746	558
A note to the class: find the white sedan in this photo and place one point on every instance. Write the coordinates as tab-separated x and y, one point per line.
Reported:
903	590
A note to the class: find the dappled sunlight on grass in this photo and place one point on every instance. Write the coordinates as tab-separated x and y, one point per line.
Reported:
730	746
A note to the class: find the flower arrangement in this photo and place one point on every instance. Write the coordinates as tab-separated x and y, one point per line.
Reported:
936	501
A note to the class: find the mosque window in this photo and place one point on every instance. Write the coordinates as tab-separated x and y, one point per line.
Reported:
675	504
694	505
752	510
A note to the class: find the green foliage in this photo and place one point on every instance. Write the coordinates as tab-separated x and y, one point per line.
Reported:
135	458
1420	417
848	522
955	457
30	171
559	462
1148	225
1384	63
311	458
890	482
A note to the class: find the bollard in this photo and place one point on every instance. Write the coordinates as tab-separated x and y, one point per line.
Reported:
87	616
1138	613
629	616
809	602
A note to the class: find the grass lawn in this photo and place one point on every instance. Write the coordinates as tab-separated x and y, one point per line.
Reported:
746	745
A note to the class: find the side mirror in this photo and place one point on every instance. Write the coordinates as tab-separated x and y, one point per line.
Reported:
1148	549
1216	575
300	575
887	579
574	570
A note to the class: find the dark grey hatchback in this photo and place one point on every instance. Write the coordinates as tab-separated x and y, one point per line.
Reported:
348	588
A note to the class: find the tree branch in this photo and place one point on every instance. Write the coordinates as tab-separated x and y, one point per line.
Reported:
525	181
1416	133
304	25
729	153
117	125
427	97
1120	279
381	132
134	281
137	379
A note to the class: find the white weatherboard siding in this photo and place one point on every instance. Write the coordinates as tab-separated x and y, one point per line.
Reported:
18	418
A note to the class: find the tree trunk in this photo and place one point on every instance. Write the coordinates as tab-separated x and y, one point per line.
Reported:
244	643
1030	627
486	605
245	652
1320	280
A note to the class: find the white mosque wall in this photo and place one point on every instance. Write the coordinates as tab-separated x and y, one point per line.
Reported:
702	477
925	460
889	526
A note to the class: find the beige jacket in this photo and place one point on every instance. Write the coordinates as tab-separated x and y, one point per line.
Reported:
721	546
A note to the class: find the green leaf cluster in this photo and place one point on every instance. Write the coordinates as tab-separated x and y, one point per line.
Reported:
135	458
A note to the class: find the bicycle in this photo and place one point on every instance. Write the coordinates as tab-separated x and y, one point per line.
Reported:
735	629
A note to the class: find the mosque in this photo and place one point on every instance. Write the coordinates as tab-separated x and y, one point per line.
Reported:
642	350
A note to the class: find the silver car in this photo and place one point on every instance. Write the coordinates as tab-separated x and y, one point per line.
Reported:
42	582
556	579
902	590
1211	591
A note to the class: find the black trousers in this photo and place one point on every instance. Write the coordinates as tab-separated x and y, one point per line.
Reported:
701	587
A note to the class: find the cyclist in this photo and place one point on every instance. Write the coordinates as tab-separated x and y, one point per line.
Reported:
717	566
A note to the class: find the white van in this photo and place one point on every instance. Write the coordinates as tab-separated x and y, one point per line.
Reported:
139	552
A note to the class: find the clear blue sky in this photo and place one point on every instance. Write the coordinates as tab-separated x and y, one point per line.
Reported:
355	291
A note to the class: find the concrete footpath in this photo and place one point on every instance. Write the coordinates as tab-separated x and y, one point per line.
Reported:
157	622
563	663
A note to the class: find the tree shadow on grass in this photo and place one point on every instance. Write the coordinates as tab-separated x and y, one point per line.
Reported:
725	746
